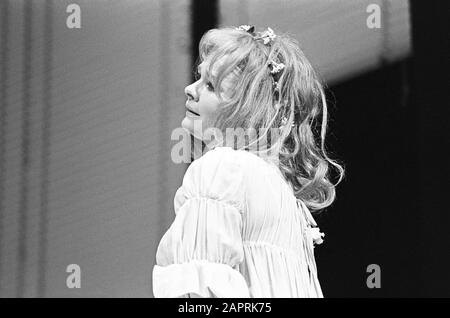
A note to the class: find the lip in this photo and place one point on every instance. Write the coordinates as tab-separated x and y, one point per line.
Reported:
191	111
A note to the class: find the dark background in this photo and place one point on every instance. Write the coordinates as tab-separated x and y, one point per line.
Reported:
389	128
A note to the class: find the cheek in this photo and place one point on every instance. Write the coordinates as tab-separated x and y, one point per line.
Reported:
210	109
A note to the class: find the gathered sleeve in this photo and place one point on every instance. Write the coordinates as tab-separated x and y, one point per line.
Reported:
199	255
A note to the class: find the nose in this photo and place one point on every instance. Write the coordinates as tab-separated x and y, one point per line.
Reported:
191	92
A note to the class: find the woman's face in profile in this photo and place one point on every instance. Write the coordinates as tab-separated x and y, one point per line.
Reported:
202	105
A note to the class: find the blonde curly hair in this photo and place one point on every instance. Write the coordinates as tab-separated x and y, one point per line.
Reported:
290	108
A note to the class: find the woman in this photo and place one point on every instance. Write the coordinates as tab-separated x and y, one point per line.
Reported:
243	226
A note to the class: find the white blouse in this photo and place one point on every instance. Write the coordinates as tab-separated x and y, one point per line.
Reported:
239	231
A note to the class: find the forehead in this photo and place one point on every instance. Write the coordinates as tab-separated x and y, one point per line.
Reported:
204	66
226	82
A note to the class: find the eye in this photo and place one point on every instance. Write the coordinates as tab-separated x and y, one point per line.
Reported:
197	76
210	86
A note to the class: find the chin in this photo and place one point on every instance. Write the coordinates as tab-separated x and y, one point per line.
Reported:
188	124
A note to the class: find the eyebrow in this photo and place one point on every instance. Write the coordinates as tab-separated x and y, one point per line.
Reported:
199	69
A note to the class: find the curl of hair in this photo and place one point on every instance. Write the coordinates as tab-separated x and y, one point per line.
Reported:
249	102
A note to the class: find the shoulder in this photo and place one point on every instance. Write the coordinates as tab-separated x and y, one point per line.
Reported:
226	160
222	173
221	164
230	155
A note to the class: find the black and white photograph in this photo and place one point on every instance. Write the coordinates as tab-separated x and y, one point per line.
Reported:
228	149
